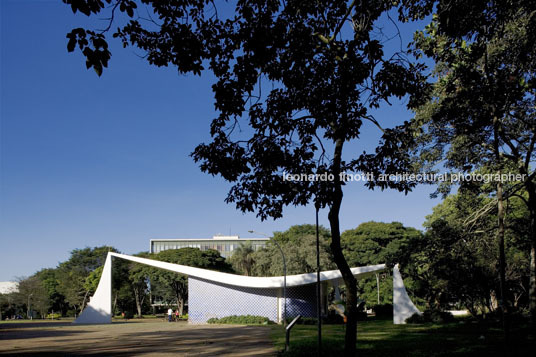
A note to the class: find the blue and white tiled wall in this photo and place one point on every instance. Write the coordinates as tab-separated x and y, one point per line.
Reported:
207	299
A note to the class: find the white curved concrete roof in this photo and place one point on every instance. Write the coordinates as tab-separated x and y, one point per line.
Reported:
251	281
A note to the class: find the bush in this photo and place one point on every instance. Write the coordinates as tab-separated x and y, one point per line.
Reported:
416	318
383	310
241	320
55	316
434	316
438	316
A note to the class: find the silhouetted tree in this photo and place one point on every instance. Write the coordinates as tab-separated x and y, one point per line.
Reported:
303	75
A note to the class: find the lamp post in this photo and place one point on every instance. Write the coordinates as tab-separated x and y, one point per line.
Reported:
284	276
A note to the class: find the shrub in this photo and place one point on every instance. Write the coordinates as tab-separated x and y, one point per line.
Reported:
438	316
416	318
433	315
241	320
54	316
383	310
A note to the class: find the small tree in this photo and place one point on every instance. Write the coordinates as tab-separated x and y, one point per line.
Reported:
242	259
33	295
138	275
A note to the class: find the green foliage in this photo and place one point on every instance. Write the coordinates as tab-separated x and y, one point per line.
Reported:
138	276
50	280
295	233
72	274
481	114
299	246
377	243
33	295
208	259
431	316
455	262
242	259
241	320
54	316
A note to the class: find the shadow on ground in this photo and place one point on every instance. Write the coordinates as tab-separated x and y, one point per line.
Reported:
135	338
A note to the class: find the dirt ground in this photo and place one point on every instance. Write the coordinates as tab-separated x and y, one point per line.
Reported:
133	338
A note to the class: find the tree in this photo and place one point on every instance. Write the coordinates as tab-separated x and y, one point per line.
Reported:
377	243
138	276
299	246
33	294
454	263
482	110
72	274
242	259
303	75
49	278
125	275
7	306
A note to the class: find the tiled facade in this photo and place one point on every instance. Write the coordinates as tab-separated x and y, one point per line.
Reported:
208	299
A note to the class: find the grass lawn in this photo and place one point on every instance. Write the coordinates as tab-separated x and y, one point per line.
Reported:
382	338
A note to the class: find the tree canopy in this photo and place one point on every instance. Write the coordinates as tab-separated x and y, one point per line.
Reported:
298	243
481	112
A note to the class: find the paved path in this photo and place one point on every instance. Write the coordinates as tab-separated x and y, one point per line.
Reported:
134	338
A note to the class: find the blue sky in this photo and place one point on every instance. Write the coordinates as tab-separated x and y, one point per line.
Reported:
88	161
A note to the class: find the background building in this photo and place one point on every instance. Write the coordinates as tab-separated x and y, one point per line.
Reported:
7	287
223	244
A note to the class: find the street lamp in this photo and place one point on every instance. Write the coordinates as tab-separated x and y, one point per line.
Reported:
284	276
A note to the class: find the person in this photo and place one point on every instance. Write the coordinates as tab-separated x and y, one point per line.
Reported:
177	315
170	313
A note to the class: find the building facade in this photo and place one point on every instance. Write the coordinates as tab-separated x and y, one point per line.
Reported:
223	244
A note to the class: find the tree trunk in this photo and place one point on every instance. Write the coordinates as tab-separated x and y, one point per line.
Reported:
84	301
532	265
139	301
502	258
114	304
350	281
500	229
180	306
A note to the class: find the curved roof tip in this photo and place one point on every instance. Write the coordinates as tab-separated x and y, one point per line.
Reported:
251	281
